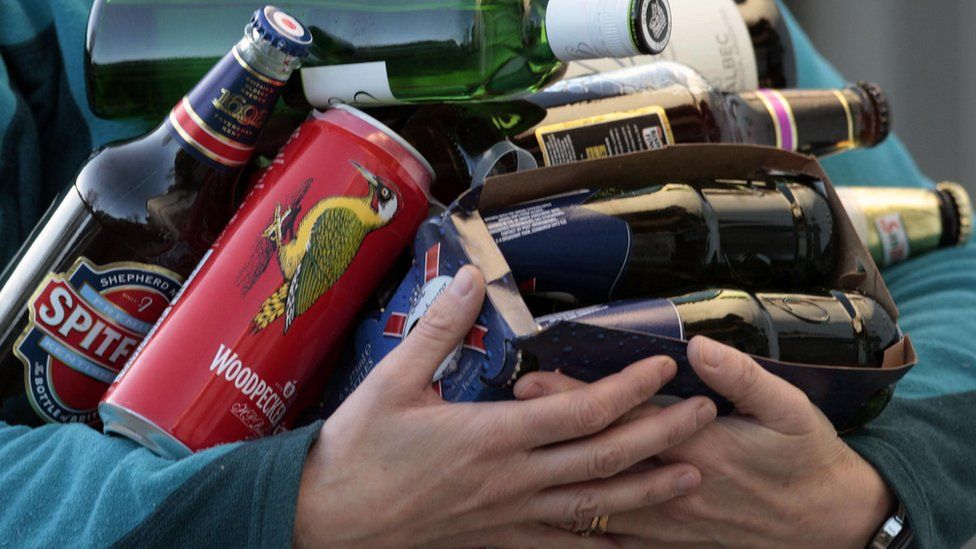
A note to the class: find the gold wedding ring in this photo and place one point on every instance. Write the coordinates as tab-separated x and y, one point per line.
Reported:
597	527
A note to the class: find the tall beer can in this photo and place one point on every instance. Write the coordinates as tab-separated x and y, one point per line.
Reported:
277	290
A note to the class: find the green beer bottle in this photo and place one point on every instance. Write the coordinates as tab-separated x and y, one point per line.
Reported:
142	54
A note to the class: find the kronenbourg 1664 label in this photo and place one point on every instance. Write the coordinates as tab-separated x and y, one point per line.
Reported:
84	325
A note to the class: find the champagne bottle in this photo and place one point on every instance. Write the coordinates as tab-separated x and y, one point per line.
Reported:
641	108
108	258
897	224
594	247
835	329
368	53
738	45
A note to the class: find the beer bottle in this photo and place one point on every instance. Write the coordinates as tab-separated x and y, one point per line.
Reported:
834	329
110	256
367	53
594	117
594	247
738	45
651	106
896	224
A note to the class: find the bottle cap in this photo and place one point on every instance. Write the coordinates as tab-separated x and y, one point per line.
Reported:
282	30
964	209
882	109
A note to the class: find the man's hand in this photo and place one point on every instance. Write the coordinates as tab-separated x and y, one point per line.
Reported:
396	465
775	474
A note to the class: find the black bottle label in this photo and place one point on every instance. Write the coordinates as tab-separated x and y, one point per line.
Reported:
84	325
219	122
605	135
559	245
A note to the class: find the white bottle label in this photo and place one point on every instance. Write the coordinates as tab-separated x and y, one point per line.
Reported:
707	35
353	84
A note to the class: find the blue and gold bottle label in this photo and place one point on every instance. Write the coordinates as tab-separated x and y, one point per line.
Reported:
84	324
220	121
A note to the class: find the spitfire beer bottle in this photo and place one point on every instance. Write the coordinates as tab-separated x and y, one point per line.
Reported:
664	240
838	329
111	256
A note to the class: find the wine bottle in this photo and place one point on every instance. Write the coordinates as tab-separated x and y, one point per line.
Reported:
738	45
368	53
897	224
112	254
835	329
594	247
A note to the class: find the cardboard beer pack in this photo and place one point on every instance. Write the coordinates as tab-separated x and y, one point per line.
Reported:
507	342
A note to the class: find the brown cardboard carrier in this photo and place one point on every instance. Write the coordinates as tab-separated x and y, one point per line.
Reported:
848	396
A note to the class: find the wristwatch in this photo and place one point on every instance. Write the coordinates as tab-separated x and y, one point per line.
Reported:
894	533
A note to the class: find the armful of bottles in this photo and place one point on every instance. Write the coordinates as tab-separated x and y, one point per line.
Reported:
628	264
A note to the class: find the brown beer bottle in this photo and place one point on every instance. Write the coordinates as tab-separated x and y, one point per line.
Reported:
110	256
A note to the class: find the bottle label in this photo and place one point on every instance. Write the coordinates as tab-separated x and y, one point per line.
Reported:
559	245
658	317
784	122
219	122
605	135
895	244
708	35
353	84
83	326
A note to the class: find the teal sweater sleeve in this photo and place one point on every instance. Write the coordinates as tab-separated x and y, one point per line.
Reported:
925	442
70	486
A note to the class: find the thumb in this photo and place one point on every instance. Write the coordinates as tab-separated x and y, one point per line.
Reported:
412	365
755	392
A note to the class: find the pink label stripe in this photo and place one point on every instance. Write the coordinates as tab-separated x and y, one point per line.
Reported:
222	150
782	118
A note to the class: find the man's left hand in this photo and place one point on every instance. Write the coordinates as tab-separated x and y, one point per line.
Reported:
773	474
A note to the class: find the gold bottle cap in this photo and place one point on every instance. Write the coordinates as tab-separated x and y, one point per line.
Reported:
964	207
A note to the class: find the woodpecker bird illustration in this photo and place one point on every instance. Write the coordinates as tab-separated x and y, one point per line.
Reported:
324	244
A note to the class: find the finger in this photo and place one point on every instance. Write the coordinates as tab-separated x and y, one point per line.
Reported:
623	446
755	392
592	408
436	336
540	384
528	535
574	506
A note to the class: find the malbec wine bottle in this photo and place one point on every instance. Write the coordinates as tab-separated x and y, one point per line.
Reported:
836	329
594	247
108	259
897	224
367	53
738	45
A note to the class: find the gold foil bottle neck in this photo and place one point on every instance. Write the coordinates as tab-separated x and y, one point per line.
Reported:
964	207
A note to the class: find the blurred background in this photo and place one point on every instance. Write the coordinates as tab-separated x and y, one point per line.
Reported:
921	53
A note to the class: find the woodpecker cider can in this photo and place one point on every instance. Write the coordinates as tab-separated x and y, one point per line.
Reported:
277	291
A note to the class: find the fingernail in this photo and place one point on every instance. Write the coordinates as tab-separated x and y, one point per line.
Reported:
463	282
686	483
530	391
705	414
712	353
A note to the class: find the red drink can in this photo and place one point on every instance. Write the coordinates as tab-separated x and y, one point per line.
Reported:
278	289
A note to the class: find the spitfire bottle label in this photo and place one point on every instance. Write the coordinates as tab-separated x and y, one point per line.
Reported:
658	317
84	325
220	121
605	135
307	248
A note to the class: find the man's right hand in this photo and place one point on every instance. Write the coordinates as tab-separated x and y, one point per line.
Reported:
396	465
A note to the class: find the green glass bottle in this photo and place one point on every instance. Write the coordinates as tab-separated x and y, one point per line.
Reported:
142	54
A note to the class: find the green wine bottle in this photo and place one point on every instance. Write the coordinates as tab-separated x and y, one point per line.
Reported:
143	54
